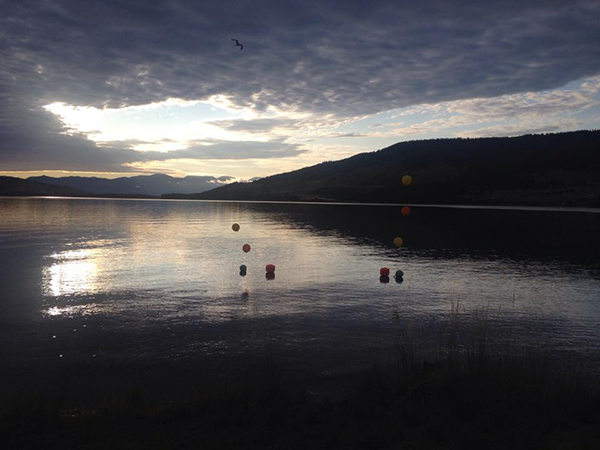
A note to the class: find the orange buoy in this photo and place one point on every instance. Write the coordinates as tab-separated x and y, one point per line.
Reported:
270	268
384	272
406	180
398	241
405	211
246	248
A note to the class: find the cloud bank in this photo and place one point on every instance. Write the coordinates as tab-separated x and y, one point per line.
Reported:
317	59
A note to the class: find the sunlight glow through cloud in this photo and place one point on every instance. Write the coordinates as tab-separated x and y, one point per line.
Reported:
174	120
165	88
175	125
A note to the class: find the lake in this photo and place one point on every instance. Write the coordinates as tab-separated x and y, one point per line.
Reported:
124	281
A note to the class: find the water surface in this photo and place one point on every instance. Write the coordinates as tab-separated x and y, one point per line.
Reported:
144	280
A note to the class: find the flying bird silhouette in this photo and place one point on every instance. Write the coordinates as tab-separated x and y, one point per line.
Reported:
237	44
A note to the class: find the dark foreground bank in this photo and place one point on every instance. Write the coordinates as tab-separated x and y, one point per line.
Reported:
470	396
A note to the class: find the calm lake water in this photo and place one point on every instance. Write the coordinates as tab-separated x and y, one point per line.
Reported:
141	280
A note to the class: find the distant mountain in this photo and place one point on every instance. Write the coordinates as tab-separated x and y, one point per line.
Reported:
138	185
550	169
10	186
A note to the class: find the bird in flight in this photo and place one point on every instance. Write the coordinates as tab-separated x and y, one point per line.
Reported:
237	44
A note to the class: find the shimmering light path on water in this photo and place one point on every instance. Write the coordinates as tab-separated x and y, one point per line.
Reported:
126	280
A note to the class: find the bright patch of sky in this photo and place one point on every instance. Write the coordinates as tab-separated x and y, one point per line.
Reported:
159	126
574	106
178	125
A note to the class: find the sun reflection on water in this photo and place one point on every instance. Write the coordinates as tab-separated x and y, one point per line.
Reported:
74	310
73	272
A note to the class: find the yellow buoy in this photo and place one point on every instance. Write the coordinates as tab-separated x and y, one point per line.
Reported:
235	227
398	241
406	180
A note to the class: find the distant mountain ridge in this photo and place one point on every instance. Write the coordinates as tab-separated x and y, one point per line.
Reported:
549	169
11	186
561	169
154	185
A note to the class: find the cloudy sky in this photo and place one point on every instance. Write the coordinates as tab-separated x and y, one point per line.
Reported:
118	87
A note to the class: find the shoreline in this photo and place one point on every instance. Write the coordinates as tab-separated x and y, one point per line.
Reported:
575	209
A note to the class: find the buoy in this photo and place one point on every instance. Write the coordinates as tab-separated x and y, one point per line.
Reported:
384	279
246	248
398	241
270	275
270	268
243	270
399	274
405	211
235	227
406	180
384	272
399	280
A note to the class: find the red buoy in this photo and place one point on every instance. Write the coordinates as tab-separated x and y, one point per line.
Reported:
384	272
270	268
405	211
246	248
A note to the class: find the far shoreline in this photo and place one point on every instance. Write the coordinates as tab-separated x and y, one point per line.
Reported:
578	209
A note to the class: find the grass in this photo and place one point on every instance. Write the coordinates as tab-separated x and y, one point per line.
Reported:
466	392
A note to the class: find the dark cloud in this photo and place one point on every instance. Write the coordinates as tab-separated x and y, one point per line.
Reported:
37	140
216	149
355	59
508	130
255	125
348	135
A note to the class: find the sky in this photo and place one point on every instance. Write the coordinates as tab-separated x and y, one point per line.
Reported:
120	88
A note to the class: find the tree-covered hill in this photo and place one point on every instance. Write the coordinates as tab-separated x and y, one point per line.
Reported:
550	169
11	186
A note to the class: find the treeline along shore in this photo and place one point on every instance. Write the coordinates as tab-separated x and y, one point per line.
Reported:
561	169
